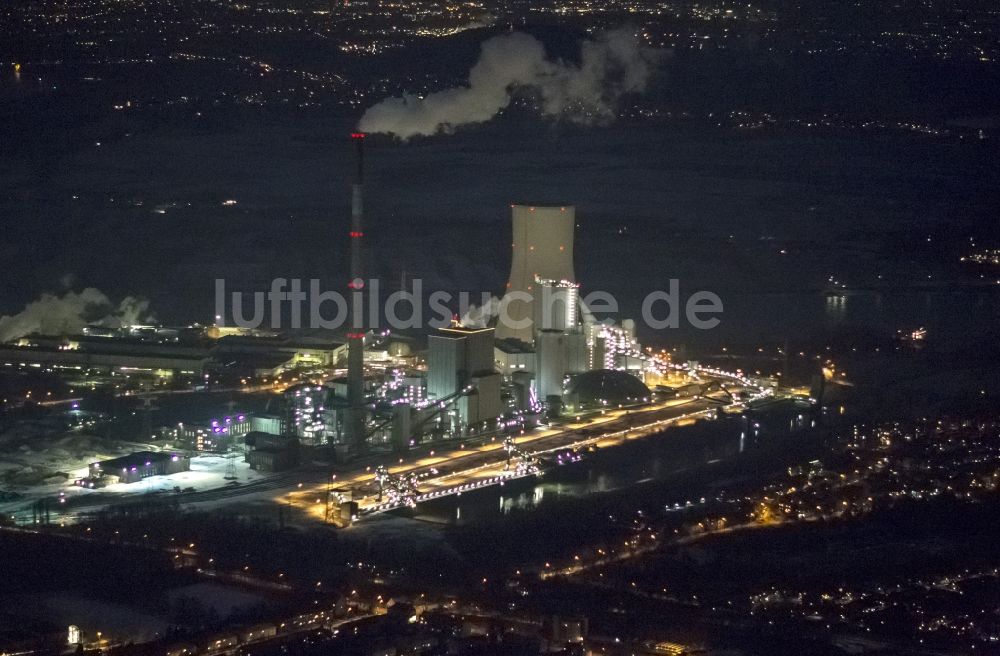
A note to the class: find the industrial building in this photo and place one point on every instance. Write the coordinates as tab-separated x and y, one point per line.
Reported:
482	403
266	423
520	394
558	354
612	347
454	355
315	413
214	435
106	356
460	362
300	351
557	304
163	355
134	468
606	388
513	355
271	453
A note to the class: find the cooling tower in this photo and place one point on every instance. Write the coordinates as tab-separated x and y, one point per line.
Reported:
542	249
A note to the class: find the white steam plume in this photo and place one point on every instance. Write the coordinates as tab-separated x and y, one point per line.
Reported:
613	64
480	316
68	314
131	311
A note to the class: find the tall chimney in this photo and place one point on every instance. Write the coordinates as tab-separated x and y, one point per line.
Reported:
356	434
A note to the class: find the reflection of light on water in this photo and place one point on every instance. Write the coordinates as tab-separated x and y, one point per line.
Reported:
522	501
596	482
608	473
836	307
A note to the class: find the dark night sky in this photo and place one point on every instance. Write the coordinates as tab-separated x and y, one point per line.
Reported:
851	203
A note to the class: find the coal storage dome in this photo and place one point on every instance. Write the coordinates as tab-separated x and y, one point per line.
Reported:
608	387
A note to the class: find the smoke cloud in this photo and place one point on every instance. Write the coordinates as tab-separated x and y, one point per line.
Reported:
68	314
480	316
613	64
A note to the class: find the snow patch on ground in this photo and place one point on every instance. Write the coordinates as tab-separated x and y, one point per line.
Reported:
207	472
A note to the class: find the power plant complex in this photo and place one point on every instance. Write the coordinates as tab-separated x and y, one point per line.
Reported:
508	374
512	371
537	354
514	381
